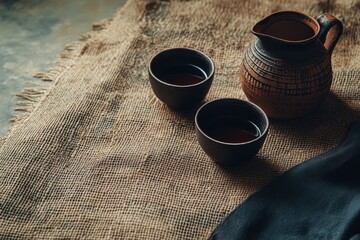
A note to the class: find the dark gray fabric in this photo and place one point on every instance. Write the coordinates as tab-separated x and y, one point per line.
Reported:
319	199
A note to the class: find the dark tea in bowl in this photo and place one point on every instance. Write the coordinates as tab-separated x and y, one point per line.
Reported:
183	74
181	77
231	131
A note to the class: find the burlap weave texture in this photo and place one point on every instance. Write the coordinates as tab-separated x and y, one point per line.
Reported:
99	157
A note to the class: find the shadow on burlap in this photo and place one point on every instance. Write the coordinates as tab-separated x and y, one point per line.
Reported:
98	156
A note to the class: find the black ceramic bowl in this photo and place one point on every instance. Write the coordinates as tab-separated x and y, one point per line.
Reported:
231	131
181	77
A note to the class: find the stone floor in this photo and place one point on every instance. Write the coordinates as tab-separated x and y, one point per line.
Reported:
32	35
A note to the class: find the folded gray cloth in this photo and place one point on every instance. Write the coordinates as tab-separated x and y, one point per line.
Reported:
318	199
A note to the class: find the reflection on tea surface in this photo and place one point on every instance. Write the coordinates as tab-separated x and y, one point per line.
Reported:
232	130
183	75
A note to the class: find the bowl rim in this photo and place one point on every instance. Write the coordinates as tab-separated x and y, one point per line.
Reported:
234	100
186	49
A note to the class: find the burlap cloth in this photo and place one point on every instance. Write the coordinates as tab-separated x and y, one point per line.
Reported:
97	156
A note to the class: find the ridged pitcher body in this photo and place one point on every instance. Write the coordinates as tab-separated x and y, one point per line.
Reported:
287	69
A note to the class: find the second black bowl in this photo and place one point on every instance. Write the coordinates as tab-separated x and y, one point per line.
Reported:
231	131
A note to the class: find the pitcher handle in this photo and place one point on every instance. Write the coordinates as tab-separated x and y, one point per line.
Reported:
330	30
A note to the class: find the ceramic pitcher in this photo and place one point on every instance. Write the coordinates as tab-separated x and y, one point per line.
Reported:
287	69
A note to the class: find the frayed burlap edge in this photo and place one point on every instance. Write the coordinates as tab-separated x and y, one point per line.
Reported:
30	99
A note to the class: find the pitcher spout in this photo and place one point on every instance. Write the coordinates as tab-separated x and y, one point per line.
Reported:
287	27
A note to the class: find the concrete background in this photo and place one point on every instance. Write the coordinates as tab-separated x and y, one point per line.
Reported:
32	35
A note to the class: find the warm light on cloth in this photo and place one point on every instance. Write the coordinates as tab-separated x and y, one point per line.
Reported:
98	156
